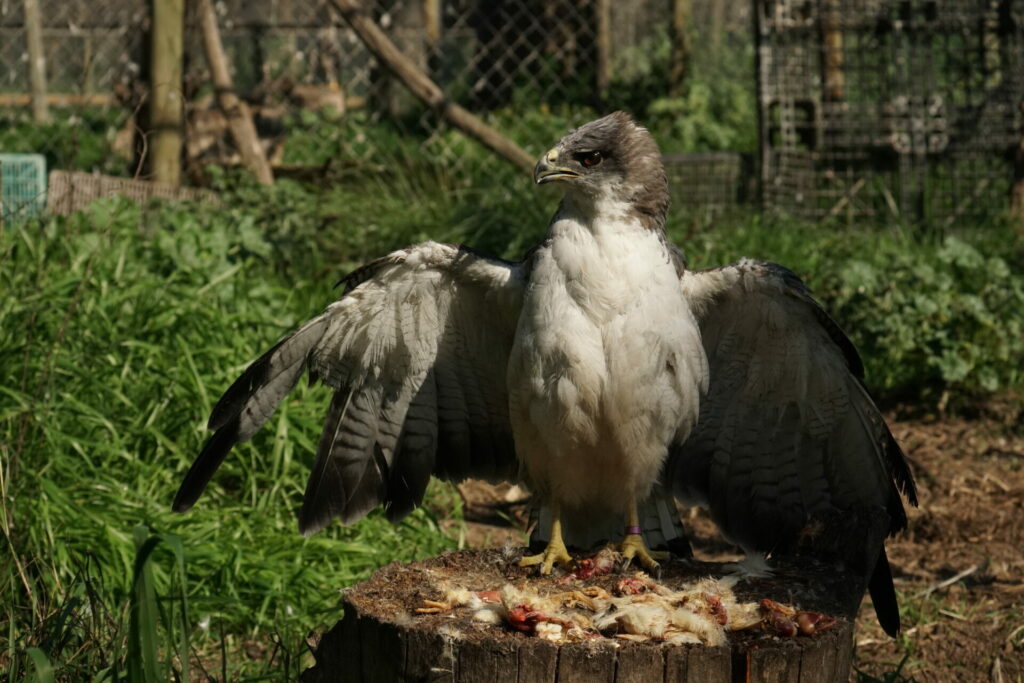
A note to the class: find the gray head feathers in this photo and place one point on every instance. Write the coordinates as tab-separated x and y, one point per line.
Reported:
611	158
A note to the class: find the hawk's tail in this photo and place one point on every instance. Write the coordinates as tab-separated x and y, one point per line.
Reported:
883	596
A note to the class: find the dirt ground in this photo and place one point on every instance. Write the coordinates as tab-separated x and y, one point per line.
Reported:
959	569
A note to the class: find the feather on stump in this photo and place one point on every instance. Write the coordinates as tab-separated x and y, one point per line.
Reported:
385	635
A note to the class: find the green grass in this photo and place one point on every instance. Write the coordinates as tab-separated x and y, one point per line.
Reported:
119	328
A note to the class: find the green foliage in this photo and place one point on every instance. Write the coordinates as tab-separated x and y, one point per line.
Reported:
942	317
716	110
43	667
148	615
79	141
708	116
319	138
118	329
935	319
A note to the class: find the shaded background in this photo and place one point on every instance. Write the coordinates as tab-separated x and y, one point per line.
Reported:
902	110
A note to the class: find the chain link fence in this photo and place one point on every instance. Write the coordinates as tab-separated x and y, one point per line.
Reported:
886	109
531	68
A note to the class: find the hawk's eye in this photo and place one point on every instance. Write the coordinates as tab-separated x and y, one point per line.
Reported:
591	159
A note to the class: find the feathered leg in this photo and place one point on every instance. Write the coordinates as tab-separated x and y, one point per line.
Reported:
555	550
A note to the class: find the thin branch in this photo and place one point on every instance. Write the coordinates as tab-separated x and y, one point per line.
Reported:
949	582
420	85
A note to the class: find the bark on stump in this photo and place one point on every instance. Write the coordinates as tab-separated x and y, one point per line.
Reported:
381	638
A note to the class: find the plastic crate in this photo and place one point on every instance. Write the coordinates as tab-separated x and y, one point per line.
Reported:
23	179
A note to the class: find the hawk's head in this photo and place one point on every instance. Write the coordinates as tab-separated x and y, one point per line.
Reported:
612	159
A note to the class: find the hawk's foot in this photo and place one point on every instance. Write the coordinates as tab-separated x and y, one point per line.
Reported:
633	546
554	553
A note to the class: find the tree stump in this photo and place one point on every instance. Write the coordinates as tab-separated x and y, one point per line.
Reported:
383	638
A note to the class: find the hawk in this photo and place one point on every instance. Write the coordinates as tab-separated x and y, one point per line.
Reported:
601	372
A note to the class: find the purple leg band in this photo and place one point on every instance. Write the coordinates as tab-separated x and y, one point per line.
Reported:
634	530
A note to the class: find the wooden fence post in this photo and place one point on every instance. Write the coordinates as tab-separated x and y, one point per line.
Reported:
36	61
165	104
432	21
835	80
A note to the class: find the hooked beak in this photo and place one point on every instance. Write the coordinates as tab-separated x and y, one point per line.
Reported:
546	171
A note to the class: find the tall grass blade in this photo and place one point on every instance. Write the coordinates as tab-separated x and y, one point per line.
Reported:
43	667
180	596
143	641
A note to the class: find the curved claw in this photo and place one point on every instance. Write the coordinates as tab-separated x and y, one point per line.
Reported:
554	553
633	547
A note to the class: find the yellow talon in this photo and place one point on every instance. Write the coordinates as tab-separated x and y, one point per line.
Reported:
633	544
555	552
633	547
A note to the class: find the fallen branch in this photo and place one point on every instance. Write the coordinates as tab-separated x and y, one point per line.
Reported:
420	85
17	99
948	582
237	112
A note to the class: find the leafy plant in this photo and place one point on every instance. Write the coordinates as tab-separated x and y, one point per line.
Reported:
148	614
938	318
936	321
81	140
121	328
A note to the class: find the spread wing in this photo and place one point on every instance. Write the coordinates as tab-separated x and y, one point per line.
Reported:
416	351
789	451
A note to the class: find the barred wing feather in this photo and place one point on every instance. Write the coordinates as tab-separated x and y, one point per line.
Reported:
416	352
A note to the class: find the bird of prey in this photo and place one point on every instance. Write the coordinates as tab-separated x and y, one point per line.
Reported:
599	370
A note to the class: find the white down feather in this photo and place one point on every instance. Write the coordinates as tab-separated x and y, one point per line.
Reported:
607	365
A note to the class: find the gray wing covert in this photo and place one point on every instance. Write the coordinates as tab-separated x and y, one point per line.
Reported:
416	352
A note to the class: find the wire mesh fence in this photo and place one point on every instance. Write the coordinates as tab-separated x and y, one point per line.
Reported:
531	68
885	109
908	110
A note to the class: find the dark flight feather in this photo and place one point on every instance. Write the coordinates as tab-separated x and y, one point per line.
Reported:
788	440
401	381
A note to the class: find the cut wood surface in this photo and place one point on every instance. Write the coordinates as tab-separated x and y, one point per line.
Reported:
420	85
383	638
